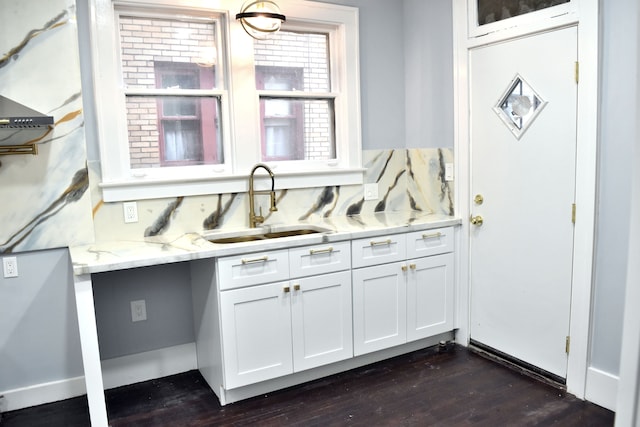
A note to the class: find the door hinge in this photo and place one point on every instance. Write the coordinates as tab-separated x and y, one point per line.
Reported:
577	72
573	213
567	344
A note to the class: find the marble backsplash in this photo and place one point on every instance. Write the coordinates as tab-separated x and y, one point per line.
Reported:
408	179
45	200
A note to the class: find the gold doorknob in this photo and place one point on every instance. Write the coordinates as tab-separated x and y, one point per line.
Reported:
478	199
477	220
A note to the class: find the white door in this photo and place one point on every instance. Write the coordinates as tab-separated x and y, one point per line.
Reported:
524	178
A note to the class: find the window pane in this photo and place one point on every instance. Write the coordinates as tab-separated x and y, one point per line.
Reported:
160	135
179	107
147	42
182	141
497	10
297	129
293	61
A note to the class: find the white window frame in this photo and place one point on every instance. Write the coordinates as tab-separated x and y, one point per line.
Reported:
240	113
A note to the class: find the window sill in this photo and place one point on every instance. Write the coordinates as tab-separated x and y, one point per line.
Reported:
142	189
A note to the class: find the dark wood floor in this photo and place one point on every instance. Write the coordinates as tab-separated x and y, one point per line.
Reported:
424	388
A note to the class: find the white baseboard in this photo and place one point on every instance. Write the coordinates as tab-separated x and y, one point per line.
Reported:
115	372
602	388
39	394
149	365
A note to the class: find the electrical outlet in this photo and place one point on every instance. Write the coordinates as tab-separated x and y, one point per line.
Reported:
130	212
138	310
448	171
10	266
371	191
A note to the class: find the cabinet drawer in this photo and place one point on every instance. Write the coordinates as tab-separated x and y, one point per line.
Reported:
378	250
429	242
251	269
319	259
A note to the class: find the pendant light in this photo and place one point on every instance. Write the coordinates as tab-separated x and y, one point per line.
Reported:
260	19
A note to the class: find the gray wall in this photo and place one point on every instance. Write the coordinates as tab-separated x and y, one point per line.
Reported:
617	138
429	73
382	76
406	60
166	290
39	340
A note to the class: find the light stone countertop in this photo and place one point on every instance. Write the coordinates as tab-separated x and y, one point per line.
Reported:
126	254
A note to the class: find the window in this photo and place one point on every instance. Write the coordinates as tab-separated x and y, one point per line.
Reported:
488	17
296	103
281	131
162	58
188	102
188	126
494	10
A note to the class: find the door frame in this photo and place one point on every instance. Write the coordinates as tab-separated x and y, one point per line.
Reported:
586	19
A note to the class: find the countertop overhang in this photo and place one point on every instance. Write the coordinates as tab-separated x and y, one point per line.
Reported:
126	254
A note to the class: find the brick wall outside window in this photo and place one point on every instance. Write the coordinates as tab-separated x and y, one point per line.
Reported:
145	41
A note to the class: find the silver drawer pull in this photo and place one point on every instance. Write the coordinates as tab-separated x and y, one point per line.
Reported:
254	260
321	251
432	235
383	242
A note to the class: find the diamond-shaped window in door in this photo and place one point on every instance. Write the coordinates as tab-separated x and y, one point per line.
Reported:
519	106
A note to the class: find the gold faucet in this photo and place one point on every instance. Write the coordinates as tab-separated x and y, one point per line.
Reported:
254	219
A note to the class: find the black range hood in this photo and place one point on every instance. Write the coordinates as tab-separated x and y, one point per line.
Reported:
14	115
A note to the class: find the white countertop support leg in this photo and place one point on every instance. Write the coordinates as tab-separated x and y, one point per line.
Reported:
90	350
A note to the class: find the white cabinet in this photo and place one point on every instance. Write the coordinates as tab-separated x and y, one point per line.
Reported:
379	307
321	320
400	301
265	320
429	296
274	329
256	334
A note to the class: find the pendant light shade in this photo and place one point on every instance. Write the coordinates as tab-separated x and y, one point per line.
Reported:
260	19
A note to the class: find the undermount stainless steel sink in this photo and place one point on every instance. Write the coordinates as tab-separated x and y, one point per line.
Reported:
263	233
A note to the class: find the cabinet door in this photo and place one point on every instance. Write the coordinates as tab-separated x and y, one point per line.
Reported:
321	320
429	296
379	307
256	338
